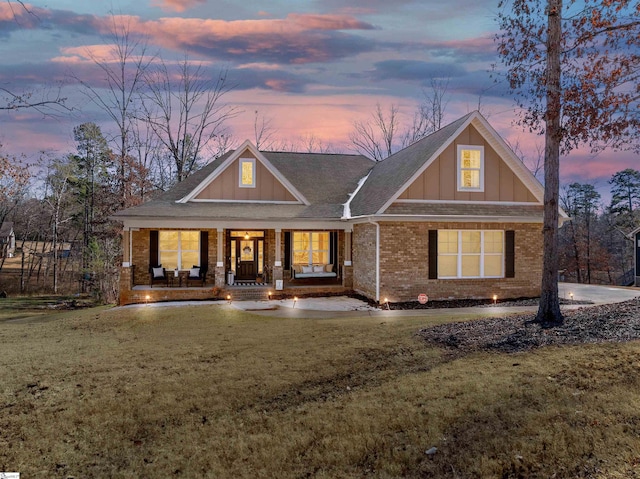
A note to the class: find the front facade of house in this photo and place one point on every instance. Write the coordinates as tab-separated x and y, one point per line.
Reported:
455	215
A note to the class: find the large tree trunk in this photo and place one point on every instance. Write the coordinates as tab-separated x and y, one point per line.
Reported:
549	308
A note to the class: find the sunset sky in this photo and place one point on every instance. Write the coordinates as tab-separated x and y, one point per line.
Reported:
313	67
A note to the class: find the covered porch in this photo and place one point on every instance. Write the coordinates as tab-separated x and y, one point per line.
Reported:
244	263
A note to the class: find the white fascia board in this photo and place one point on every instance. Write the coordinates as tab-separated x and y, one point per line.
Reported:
247	145
203	223
446	219
425	165
493	138
346	212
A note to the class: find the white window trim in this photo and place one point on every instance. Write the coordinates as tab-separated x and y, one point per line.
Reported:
459	255
253	169
459	167
310	248
179	250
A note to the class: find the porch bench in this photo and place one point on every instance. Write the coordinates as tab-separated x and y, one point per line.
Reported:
313	271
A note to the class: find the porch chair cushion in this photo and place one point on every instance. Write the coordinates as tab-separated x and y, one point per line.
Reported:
307	269
194	272
328	268
158	271
318	268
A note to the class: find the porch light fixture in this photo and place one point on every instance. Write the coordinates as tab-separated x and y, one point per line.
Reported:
495	298
246	235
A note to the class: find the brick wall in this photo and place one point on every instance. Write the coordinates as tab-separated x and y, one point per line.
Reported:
404	267
140	255
363	245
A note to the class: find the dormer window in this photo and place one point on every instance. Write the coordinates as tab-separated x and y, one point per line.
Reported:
247	173
470	168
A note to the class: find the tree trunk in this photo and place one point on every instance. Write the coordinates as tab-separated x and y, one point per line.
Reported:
549	308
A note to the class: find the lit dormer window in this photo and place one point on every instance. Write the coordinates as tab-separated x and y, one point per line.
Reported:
247	172
470	168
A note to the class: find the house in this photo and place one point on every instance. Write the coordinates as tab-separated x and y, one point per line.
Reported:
7	240
454	215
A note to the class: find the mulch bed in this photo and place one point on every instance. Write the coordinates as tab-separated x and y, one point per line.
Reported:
596	324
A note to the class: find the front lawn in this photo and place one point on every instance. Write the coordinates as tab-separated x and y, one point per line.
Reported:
209	391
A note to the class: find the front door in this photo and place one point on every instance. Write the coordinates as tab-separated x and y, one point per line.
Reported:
246	259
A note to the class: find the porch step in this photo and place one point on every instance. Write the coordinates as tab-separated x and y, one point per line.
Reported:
248	294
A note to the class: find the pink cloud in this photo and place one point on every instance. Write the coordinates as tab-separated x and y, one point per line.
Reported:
176	5
297	38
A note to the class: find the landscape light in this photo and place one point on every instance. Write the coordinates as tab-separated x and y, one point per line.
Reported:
571	296
295	300
495	298
147	298
270	293
229	298
386	301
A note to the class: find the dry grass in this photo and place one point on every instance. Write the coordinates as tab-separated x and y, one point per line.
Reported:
207	391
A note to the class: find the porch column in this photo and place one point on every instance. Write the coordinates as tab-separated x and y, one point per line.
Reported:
219	273
127	270
126	248
347	268
277	265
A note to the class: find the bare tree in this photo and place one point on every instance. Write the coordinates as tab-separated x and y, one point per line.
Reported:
57	197
118	97
375	137
264	132
187	114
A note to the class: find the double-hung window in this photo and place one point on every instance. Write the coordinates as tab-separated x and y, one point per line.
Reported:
470	168
471	254
179	249
311	247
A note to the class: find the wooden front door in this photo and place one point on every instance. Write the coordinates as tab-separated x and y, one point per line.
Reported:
246	257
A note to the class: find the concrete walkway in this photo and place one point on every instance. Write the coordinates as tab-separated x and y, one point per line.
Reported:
343	306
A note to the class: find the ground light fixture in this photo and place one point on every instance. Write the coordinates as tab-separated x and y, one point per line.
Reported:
571	296
386	301
270	293
147	298
295	300
229	298
495	298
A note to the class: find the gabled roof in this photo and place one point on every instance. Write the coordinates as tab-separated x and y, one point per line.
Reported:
324	181
229	161
337	186
390	177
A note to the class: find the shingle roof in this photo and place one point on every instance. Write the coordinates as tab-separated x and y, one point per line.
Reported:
389	175
465	209
325	180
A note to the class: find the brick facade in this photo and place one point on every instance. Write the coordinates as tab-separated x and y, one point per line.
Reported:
404	269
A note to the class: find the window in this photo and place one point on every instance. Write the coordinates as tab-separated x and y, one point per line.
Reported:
179	249
310	247
470	254
470	168
247	176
